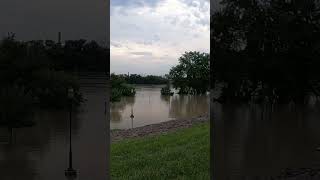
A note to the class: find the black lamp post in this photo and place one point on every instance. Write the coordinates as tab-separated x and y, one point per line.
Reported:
70	173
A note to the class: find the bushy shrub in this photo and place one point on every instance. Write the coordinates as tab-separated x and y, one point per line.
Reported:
119	88
166	91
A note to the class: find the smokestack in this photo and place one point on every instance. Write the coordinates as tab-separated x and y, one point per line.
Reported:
59	38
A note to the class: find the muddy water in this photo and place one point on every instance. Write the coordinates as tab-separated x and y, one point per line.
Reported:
149	106
41	152
260	141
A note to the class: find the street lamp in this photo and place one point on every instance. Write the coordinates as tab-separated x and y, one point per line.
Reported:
70	173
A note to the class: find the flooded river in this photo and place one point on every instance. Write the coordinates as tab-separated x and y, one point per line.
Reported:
41	152
149	106
260	141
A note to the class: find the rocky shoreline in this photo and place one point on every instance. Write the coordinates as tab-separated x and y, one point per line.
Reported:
159	128
299	174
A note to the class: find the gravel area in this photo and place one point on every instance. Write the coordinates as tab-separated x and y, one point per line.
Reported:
159	128
299	174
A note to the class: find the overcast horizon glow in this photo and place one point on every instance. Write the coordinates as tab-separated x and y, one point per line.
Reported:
148	36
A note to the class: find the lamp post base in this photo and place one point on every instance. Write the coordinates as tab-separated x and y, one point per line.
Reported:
70	173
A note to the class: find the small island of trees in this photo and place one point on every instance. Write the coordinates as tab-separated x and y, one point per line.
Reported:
122	84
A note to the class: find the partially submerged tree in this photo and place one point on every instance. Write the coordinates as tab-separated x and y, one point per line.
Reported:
166	90
274	42
28	79
191	75
120	88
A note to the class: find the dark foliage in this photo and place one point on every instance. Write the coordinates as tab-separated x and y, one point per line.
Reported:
148	79
120	88
37	74
166	90
273	44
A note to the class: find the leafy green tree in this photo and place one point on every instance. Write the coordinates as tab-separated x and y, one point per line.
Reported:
191	75
120	88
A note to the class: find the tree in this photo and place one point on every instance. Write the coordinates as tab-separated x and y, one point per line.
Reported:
166	90
191	75
275	42
120	88
28	79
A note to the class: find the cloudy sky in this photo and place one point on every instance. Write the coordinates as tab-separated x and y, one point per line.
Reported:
43	19
148	36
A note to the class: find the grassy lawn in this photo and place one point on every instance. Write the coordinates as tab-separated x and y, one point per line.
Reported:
176	155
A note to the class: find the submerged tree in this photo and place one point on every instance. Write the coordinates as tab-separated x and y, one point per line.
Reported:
28	80
120	88
166	90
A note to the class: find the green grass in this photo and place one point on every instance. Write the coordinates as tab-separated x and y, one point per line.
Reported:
183	154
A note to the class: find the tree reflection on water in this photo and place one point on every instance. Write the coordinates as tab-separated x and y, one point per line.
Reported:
117	108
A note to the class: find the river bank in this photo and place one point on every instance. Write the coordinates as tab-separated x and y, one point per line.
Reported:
159	128
180	154
148	136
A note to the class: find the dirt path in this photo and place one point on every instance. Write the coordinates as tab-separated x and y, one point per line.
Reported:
159	128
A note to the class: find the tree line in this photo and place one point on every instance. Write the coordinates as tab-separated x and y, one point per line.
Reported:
140	79
122	84
37	74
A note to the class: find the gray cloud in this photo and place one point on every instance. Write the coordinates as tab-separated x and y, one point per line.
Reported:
203	22
201	4
152	39
142	53
156	40
115	44
199	7
134	3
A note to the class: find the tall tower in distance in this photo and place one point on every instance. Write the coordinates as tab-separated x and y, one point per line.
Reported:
59	37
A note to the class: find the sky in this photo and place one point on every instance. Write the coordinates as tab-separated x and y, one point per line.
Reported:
43	19
149	36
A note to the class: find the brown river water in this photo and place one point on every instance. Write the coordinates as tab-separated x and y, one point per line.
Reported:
149	106
252	141
255	141
41	152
